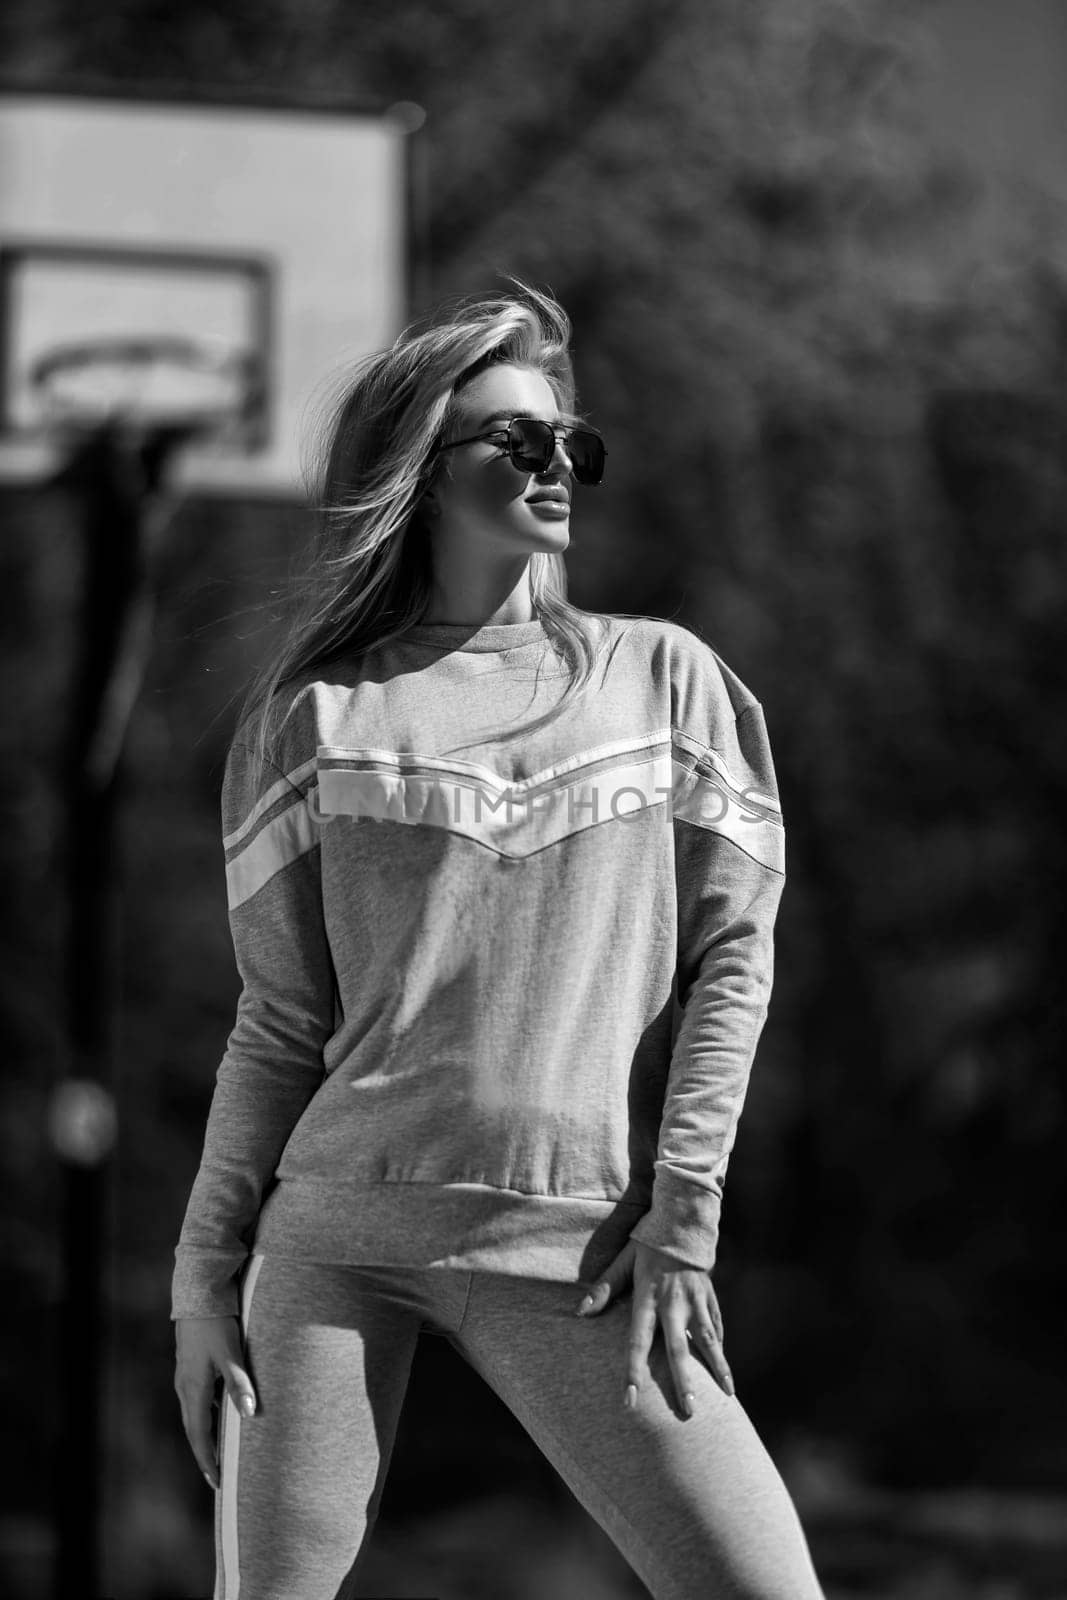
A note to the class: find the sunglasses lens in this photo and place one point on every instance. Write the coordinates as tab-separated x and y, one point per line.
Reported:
587	452
532	444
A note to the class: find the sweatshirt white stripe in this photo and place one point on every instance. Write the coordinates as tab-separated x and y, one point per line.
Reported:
712	758
709	804
487	778
513	821
285	838
276	792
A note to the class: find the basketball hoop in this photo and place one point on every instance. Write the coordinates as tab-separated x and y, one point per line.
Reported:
172	385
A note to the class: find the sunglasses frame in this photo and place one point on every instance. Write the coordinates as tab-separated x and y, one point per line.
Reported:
561	435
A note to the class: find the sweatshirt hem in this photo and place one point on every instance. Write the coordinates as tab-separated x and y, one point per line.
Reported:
471	1226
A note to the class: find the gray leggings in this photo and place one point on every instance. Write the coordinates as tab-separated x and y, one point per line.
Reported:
696	1506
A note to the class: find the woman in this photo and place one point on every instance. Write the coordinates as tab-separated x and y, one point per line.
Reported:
502	881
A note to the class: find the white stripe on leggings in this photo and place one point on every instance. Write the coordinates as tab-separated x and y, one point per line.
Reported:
228	1574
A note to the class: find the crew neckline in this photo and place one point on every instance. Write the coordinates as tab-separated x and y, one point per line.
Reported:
468	636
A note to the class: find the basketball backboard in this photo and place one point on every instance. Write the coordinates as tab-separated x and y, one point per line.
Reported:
277	236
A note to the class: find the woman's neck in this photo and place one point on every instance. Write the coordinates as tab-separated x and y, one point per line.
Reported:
481	604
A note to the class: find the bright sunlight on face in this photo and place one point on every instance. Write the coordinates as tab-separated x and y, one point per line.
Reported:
483	504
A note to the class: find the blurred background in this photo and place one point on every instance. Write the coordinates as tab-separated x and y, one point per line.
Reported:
815	253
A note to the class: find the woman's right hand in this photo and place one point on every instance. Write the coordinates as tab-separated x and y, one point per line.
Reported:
209	1348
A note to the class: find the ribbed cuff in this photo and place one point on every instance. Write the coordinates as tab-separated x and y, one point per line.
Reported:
683	1220
205	1283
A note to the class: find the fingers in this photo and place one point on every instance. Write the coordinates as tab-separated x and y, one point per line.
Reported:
598	1297
196	1400
678	1358
642	1333
196	1419
681	1321
708	1344
714	1311
209	1348
612	1282
687	1311
239	1388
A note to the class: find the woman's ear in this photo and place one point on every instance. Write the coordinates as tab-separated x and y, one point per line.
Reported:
430	504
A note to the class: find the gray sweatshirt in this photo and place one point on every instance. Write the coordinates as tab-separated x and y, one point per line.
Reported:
501	995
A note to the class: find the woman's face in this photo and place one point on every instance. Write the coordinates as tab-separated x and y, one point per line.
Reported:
479	499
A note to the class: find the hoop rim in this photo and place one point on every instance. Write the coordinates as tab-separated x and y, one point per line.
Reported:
140	350
239	366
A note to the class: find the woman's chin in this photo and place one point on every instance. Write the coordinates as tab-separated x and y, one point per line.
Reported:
541	538
551	539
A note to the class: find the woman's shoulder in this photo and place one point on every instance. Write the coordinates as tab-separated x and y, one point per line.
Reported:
673	651
281	727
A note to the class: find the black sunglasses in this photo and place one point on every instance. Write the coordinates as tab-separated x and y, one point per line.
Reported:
532	444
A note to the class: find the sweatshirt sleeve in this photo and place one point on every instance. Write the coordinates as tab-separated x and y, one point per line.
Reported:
273	1062
730	871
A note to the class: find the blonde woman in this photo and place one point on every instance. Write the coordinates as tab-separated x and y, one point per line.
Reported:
502	882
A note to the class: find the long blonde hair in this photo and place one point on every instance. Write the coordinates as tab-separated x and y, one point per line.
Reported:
368	573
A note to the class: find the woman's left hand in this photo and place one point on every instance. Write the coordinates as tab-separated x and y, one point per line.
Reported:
678	1296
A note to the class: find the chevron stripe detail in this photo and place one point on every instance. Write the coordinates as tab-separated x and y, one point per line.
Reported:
512	819
615	781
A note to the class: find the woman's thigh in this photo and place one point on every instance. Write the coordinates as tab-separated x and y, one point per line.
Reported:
695	1505
329	1351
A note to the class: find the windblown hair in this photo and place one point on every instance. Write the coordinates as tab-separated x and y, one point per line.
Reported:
368	575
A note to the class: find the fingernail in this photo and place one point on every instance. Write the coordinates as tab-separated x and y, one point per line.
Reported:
586	1305
209	1480
248	1405
687	1405
630	1398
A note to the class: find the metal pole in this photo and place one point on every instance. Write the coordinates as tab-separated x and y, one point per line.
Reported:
115	472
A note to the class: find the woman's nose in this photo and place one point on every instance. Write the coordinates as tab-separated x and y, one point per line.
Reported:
561	464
